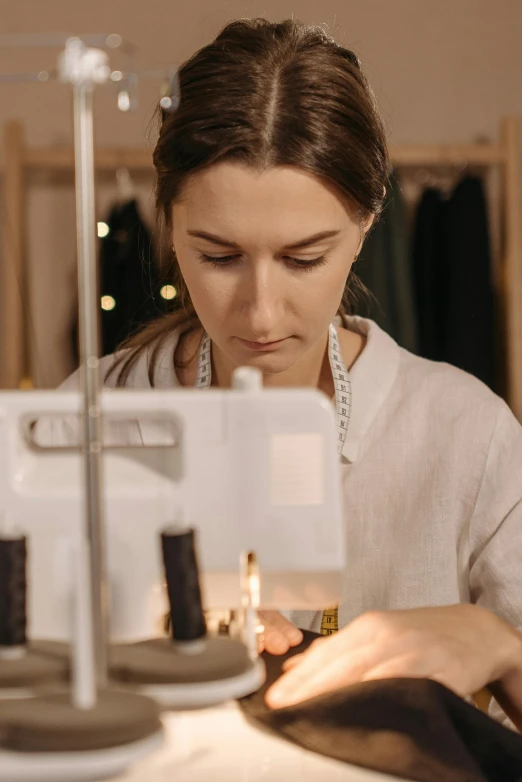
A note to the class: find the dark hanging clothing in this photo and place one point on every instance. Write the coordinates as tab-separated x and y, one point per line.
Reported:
130	275
384	266
452	279
411	728
470	329
429	273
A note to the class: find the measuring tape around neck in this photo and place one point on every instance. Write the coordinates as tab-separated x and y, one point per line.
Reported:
343	405
204	376
342	384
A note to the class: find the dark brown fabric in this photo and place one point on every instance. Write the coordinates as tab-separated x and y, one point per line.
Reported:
411	728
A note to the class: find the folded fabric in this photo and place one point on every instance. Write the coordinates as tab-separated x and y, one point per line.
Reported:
415	729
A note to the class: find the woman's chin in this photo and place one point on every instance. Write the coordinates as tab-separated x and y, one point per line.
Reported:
267	363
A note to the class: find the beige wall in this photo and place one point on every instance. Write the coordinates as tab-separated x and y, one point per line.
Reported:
441	71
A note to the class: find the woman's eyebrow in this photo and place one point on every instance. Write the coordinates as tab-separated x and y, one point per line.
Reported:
213	238
222	242
312	240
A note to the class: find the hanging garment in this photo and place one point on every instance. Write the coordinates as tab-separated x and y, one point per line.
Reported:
452	274
469	326
411	728
130	279
429	272
384	266
128	275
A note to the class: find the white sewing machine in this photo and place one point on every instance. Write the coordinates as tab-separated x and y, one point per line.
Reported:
252	471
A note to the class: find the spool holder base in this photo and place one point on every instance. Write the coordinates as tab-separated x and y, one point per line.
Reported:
221	671
45	738
88	766
43	663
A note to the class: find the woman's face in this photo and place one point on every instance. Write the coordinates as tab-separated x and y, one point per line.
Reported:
265	256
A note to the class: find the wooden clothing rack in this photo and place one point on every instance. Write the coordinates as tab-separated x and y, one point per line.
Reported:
22	160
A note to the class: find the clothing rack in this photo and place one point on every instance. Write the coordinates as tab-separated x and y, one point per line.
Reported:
21	160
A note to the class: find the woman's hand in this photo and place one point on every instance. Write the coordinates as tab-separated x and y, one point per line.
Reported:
464	647
279	634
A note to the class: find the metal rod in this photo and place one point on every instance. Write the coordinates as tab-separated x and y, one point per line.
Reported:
44	40
49	75
90	374
22	78
250	601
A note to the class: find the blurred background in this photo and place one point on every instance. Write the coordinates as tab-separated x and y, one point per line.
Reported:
447	256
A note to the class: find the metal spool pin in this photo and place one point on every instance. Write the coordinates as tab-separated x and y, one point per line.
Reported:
84	64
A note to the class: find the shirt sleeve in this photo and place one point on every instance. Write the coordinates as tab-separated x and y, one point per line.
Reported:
495	533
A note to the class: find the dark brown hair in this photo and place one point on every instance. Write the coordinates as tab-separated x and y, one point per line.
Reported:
266	94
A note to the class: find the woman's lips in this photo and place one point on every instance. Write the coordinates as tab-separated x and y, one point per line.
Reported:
261	346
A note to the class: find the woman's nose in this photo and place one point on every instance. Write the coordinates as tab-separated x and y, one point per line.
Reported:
264	302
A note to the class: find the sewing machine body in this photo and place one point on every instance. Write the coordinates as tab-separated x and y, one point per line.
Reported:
252	471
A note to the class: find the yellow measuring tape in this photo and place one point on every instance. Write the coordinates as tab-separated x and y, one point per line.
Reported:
330	621
343	405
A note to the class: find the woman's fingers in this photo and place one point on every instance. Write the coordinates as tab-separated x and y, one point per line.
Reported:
434	643
289	664
319	670
296	658
405	666
279	634
299	684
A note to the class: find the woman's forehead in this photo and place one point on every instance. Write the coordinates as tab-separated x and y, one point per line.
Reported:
233	197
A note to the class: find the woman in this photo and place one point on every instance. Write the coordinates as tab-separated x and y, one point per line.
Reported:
269	175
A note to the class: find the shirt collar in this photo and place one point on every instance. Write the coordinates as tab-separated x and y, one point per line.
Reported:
372	377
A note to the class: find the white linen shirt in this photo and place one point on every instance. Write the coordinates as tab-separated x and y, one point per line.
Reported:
432	484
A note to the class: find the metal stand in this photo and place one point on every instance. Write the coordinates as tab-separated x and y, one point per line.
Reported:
83	64
250	593
83	68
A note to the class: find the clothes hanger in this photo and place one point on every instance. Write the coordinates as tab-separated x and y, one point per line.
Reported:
443	177
124	184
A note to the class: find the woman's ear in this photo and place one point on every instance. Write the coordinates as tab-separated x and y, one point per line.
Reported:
368	224
364	230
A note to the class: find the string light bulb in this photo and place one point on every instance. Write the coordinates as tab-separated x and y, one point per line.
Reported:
124	100
108	303
168	292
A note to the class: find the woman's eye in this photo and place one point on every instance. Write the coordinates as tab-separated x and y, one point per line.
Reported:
297	263
309	264
219	260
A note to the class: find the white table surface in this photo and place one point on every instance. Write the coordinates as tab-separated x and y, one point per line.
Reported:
219	745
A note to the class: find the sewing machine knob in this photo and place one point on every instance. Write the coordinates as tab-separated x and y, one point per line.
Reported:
247	379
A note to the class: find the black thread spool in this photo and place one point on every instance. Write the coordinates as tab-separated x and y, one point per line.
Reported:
13	590
182	574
